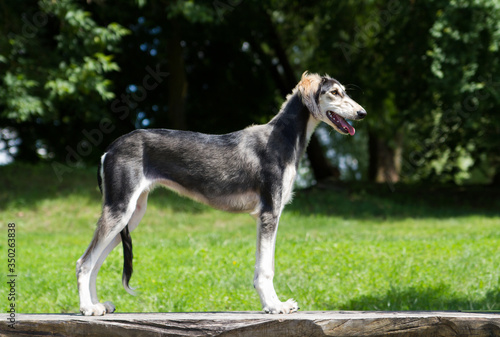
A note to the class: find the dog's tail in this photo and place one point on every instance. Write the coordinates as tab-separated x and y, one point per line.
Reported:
127	259
99	176
100	173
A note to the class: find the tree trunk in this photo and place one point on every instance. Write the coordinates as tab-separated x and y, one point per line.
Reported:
26	150
385	160
496	179
177	81
321	167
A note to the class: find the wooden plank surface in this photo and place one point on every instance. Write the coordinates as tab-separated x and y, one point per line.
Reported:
230	324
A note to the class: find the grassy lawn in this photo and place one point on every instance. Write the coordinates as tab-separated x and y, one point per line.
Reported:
341	248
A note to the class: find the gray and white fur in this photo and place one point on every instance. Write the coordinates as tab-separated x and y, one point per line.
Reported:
251	171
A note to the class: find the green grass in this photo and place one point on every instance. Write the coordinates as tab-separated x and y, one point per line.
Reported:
347	248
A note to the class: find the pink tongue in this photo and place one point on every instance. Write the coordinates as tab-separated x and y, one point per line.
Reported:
347	126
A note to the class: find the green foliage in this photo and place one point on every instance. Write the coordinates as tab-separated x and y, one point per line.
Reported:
466	88
20	104
54	69
193	11
74	69
426	71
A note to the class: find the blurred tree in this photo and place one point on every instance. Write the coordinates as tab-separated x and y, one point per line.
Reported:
463	134
425	71
53	61
438	60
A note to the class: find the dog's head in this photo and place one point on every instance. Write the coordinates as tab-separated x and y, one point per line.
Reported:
327	101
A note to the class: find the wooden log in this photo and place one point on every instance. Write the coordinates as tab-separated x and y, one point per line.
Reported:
229	324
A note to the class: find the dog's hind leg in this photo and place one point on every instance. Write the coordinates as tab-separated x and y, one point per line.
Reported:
109	306
106	234
139	212
264	266
116	214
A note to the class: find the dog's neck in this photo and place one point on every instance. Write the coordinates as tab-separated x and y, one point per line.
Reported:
294	124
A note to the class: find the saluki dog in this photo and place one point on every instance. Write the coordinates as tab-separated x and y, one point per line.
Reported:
251	171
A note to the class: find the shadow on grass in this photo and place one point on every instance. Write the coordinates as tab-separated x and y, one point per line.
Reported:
26	185
437	298
369	201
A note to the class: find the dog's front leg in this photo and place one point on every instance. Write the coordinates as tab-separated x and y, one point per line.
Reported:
264	266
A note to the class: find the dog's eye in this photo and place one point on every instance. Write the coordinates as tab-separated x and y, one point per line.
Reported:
335	92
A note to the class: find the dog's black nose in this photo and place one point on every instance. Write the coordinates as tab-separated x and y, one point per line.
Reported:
361	114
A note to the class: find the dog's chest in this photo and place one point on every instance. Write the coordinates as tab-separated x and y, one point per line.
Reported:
287	184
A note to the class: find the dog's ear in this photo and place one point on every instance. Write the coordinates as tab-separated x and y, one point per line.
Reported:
309	87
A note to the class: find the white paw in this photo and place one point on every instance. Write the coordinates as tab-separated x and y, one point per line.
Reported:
282	307
98	309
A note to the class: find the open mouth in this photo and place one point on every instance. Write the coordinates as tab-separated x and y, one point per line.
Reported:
341	123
